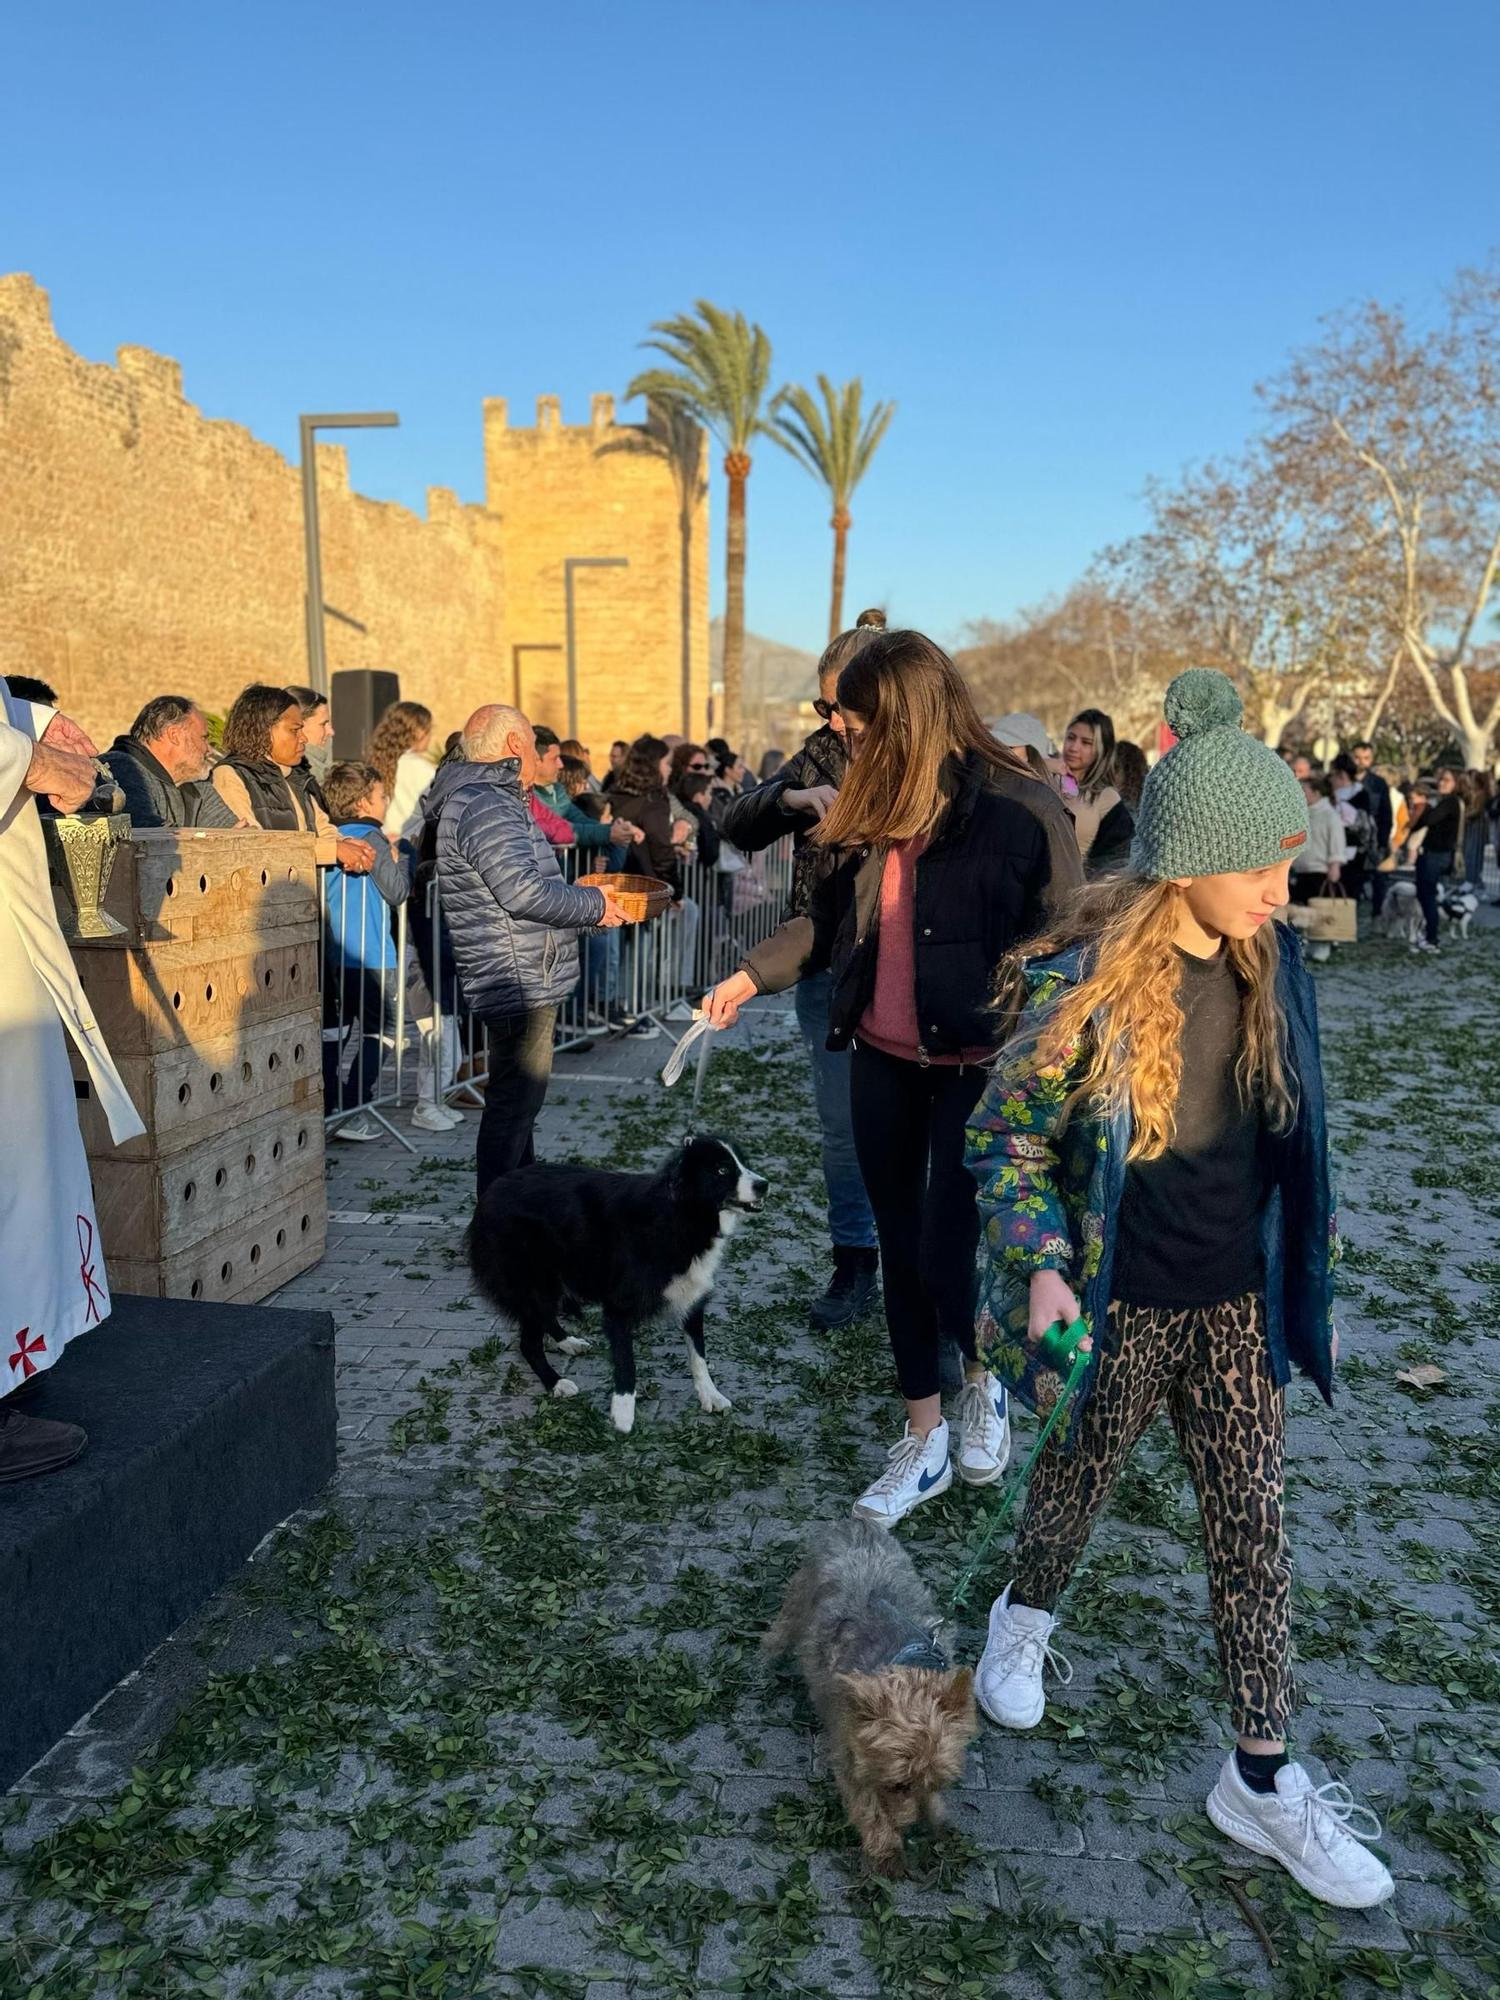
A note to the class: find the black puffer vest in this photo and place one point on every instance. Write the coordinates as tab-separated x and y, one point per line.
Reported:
282	800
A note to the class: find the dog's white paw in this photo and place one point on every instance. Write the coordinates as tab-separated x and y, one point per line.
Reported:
622	1413
575	1343
713	1400
563	1387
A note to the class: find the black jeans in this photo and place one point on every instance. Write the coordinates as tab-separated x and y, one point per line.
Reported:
909	1125
519	1051
1432	871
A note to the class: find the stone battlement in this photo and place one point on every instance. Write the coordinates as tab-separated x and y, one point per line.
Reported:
149	547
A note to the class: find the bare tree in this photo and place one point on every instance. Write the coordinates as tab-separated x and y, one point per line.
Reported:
1089	648
1407	424
1246	570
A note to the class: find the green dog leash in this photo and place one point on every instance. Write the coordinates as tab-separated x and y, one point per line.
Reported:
1059	1349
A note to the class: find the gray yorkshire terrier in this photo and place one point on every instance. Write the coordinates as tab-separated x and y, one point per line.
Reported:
898	1718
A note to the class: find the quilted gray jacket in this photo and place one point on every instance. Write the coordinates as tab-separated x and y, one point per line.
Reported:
511	917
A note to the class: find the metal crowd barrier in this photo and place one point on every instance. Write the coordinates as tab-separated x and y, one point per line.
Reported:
396	1032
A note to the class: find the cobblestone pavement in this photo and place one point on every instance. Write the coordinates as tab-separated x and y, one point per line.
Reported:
494	1723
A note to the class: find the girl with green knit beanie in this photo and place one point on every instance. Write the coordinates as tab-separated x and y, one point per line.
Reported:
1152	1156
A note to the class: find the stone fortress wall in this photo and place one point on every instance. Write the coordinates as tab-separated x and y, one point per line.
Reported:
146	548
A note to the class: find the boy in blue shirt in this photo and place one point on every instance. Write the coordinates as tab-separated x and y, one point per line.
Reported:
360	967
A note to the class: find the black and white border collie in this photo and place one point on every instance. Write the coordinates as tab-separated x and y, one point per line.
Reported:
546	1240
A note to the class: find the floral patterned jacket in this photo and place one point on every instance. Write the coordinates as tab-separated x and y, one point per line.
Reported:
1050	1190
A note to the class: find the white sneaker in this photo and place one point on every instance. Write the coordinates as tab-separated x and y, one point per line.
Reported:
429	1117
983	1430
1310	1830
1008	1679
919	1468
358	1129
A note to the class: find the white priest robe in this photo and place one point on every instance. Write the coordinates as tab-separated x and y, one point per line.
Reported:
52	1283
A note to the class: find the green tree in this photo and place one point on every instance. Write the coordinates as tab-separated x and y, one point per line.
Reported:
721	366
835	444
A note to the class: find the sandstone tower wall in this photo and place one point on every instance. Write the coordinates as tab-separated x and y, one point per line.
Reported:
641	639
146	548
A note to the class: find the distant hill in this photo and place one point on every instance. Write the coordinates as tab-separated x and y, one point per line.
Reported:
773	672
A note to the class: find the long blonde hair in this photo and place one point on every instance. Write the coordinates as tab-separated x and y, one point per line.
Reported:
1125	1013
918	713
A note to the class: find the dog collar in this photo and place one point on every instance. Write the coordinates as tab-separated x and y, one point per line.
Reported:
921	1650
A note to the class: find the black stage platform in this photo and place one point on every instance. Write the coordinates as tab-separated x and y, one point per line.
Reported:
207	1425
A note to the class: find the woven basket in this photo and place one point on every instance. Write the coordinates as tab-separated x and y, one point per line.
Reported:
639	896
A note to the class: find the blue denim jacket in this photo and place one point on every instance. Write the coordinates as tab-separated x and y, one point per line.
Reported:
1050	1191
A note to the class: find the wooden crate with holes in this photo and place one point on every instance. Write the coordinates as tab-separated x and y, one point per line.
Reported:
177	885
209	1003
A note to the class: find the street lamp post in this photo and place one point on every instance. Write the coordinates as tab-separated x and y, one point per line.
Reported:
570	563
346	420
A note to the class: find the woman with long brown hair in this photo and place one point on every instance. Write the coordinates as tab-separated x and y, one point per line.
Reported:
794	802
1152	1156
950	853
1092	785
398	750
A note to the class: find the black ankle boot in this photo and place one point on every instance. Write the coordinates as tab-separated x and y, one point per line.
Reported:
853	1290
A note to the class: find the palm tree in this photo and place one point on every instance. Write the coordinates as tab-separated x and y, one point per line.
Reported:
721	365
836	447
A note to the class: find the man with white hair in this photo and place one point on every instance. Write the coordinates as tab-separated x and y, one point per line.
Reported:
513	922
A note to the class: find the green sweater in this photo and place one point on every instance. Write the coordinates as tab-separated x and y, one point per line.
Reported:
589	832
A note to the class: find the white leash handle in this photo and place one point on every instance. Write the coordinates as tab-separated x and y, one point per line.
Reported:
676	1062
700	1032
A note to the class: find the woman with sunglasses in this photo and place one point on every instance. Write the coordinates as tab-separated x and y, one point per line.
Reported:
949	854
793	802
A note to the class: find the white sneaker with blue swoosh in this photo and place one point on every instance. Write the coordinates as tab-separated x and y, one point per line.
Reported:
983	1431
919	1468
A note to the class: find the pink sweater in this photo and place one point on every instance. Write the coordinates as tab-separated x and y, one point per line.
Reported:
890	1020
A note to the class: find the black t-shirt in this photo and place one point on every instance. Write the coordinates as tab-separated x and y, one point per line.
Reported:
1189	1232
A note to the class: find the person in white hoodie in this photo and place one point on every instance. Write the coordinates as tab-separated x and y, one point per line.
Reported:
1317	866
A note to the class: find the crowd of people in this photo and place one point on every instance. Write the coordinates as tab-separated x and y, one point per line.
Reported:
1065	1065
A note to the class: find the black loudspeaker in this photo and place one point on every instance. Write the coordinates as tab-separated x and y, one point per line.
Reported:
356	702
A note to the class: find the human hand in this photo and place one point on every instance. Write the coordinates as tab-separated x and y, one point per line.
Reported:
68	780
723	1004
614	913
623	833
356	857
681	829
1052	1302
814	799
63	733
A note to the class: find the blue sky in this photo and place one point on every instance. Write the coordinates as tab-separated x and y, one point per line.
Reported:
1067	240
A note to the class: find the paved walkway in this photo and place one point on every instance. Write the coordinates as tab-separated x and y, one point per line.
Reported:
495	1724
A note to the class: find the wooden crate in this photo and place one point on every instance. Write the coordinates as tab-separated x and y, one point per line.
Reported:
209	1003
151	998
155	1207
173	885
188	1093
240	1263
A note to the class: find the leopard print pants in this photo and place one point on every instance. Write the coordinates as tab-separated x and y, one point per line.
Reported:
1212	1368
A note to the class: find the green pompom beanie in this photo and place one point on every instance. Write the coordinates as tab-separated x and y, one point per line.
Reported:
1220	802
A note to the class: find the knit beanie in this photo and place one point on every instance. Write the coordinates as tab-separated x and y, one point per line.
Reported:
1220	802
